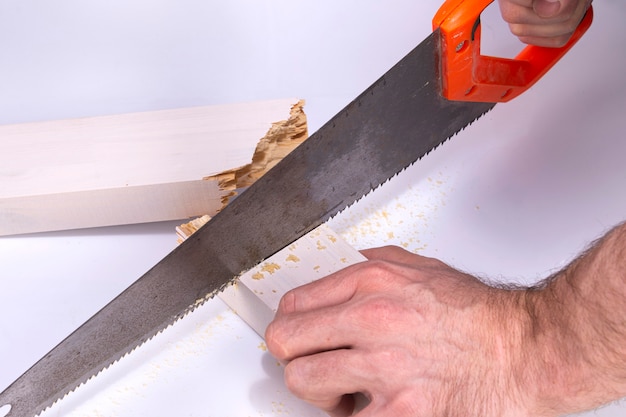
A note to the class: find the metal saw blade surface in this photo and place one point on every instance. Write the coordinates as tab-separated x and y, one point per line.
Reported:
395	122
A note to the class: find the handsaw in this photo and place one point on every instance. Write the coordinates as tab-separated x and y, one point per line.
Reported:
441	86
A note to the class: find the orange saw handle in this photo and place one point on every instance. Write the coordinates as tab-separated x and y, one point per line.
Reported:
466	75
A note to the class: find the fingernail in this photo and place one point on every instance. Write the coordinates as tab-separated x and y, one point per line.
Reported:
547	8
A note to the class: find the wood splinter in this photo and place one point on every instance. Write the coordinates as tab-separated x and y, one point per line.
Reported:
282	137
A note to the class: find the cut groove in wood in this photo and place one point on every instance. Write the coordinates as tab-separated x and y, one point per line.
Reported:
136	167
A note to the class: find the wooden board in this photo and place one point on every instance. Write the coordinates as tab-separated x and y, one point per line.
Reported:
139	167
256	294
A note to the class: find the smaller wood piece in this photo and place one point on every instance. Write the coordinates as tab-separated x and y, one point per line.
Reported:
139	167
185	230
256	294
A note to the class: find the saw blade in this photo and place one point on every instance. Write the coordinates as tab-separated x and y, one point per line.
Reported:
395	122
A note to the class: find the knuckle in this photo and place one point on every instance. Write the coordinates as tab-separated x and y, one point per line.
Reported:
406	405
518	30
571	9
509	14
389	355
275	340
553	42
294	380
378	310
571	26
380	270
569	16
287	303
393	249
559	41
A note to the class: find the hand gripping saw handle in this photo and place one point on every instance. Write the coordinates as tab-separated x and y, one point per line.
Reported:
466	75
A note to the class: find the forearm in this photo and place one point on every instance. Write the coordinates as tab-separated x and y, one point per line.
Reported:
445	344
578	331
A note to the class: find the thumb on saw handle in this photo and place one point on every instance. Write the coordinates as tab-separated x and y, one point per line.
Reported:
466	75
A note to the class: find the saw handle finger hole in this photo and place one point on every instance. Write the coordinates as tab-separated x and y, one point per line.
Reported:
469	75
5	410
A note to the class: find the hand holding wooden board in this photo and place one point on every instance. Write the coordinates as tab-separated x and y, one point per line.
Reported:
256	293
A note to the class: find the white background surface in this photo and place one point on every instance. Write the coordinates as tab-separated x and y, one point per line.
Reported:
515	196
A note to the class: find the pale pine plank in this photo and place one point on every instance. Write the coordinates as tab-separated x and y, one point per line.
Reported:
131	168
